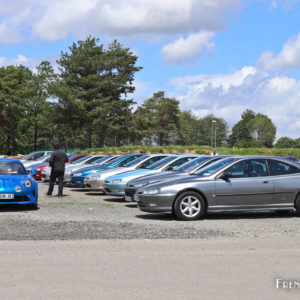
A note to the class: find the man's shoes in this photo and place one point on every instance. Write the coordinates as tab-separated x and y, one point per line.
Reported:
48	195
59	196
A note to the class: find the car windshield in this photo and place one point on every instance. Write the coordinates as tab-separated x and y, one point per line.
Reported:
92	159
191	165
161	163
81	159
211	169
134	162
11	168
116	160
102	159
76	159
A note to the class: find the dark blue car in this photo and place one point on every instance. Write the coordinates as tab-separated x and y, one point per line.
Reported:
77	178
16	185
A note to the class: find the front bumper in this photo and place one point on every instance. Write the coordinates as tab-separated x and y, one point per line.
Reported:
78	181
154	203
117	189
28	197
93	184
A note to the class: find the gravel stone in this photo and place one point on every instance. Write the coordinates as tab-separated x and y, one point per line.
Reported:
92	215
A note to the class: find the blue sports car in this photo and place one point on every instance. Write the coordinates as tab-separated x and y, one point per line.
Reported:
16	185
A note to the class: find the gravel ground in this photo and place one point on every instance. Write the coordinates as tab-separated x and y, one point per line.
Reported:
91	215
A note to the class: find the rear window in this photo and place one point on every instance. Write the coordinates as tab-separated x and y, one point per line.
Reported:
280	168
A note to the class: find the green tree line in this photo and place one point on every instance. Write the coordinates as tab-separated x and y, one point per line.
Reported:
86	103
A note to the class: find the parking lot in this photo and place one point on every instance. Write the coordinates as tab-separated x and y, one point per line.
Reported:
87	245
92	215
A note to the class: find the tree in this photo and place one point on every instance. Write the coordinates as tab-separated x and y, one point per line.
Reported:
15	89
37	104
253	129
285	142
92	83
158	118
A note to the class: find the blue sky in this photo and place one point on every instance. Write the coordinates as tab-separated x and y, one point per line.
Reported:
214	56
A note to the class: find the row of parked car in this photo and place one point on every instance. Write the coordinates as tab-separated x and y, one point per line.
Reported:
186	184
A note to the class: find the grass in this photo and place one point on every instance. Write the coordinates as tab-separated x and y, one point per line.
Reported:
193	150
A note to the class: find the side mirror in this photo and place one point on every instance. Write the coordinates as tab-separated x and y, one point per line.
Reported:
33	172
224	175
169	168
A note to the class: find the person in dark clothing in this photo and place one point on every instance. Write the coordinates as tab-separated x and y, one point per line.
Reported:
57	163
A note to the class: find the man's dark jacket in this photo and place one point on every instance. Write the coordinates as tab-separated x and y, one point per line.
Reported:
57	160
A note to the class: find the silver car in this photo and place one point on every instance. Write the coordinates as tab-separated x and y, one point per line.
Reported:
96	180
256	183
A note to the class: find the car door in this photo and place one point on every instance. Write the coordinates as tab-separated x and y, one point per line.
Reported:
249	185
286	182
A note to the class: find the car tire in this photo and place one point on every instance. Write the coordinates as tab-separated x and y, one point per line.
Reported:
32	206
297	206
189	206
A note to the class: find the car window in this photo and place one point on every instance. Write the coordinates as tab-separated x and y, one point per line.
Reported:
136	161
249	168
161	163
215	167
12	168
152	160
127	160
281	168
179	162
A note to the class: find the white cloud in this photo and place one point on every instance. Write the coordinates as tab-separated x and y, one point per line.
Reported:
289	57
52	20
188	49
228	95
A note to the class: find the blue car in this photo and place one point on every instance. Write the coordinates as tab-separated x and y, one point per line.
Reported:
115	185
16	185
77	178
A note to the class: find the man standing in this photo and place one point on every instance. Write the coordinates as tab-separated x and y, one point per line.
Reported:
57	163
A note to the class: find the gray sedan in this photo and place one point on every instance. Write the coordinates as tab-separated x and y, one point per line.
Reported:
256	183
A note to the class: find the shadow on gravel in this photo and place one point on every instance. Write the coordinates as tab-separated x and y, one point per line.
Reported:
131	205
158	216
16	208
94	194
78	190
115	200
264	215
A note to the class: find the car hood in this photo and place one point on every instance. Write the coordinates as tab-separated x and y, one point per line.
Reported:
11	181
161	176
126	176
184	178
111	172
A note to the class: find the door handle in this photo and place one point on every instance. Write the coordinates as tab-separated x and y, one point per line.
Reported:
265	181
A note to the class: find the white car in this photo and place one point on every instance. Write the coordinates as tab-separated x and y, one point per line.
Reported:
34	156
81	163
42	159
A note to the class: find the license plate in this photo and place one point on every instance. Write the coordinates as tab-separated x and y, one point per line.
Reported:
136	198
7	196
128	198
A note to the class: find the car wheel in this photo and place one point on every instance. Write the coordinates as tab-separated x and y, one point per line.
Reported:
189	206
32	206
297	205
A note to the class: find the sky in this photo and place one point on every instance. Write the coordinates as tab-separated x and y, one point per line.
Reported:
217	57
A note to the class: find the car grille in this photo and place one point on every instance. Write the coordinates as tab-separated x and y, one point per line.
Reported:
107	190
129	192
16	199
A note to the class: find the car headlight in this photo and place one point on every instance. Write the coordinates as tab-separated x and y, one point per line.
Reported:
116	181
151	192
27	183
95	177
18	189
78	174
138	185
